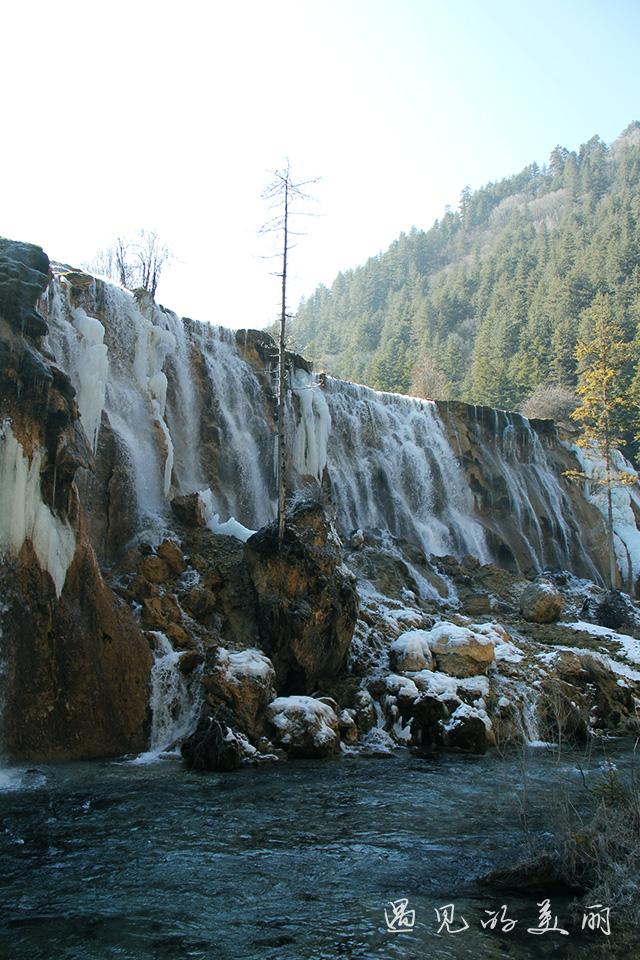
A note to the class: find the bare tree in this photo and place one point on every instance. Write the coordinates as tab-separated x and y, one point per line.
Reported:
132	262
280	194
550	401
428	381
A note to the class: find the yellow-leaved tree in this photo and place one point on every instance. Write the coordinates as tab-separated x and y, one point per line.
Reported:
606	408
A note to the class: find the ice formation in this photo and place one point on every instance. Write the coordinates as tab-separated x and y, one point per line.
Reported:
231	527
24	515
312	430
92	370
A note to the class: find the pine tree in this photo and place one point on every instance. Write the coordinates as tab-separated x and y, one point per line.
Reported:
606	405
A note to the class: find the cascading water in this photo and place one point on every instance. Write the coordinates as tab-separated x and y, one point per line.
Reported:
242	437
392	467
174	700
525	487
188	412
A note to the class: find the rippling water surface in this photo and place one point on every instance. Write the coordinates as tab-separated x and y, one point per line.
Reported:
101	860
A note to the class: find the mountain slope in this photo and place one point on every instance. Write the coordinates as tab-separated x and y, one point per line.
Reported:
487	304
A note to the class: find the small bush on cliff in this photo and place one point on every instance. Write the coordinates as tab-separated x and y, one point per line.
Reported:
550	402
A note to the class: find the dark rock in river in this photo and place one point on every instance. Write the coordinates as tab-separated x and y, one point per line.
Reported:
213	745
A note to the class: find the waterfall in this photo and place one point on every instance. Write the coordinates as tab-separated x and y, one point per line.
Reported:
188	411
242	437
392	467
174	701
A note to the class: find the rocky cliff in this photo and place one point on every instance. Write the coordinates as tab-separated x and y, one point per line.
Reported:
75	663
137	460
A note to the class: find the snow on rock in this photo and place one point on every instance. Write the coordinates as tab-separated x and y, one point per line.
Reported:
24	515
508	653
230	527
468	729
442	686
399	686
461	651
246	663
244	680
411	652
630	647
465	712
304	726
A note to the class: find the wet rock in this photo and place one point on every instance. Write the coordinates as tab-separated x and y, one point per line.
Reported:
213	745
244	681
603	699
200	603
189	509
365	710
24	275
356	540
541	603
616	611
428	714
179	637
155	570
77	667
348	726
411	652
171	553
460	651
159	611
306	601
190	661
304	727
465	730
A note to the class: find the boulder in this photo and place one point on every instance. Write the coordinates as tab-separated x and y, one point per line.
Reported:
428	714
159	611
541	603
244	681
155	569
466	730
306	600
172	555
461	651
365	710
348	726
190	510
304	726
616	611
214	744
411	652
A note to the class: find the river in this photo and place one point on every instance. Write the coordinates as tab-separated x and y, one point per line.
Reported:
294	861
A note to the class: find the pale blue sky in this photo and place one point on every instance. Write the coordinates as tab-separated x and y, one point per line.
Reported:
170	116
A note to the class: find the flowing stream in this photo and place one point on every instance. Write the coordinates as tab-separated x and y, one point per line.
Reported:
109	860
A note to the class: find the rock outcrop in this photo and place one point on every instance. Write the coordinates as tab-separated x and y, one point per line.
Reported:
77	664
306	600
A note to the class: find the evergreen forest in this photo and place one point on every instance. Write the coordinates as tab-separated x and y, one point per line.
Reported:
490	302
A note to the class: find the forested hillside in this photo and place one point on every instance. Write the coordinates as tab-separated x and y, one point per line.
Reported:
489	302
